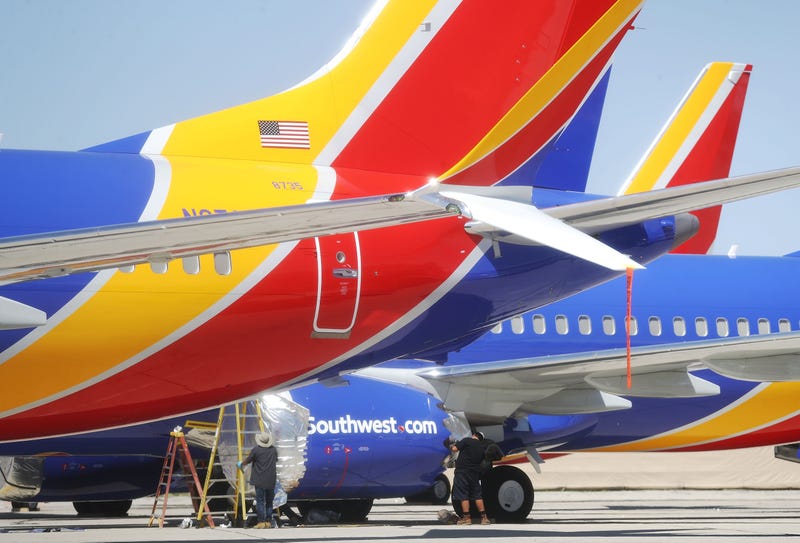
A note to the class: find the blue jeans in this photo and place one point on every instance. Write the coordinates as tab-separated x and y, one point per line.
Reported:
264	499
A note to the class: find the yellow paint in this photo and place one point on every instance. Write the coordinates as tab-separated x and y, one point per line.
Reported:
132	312
679	130
773	403
551	83
324	102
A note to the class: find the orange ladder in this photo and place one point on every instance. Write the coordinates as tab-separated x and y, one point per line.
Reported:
177	445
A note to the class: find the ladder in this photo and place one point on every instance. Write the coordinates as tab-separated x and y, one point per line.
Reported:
233	424
177	446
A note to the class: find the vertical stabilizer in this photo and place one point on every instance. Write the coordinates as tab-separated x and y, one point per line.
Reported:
697	143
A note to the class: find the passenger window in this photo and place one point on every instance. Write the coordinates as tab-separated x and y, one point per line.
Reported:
517	325
634	326
609	325
701	326
784	325
539	324
562	327
763	326
497	328
584	325
655	326
679	326
722	327
742	326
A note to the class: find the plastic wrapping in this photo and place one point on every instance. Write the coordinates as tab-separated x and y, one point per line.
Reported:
21	477
288	423
458	426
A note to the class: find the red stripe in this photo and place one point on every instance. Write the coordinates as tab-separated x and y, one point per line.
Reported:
711	159
475	69
782	432
258	343
532	137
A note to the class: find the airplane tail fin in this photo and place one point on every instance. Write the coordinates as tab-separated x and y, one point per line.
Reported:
463	91
697	143
564	162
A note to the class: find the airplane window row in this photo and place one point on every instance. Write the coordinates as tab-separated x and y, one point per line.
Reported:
655	327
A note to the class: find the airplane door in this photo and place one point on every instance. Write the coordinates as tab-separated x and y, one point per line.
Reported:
338	285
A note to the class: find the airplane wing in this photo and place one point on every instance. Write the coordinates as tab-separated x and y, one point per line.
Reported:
566	228
596	381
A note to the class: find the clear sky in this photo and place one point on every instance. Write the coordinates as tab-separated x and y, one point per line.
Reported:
78	73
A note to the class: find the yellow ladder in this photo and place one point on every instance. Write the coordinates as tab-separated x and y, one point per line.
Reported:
246	420
177	445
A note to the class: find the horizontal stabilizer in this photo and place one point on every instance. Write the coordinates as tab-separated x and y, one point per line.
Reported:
528	222
605	213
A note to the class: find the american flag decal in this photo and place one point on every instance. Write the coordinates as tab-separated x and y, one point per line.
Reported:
284	134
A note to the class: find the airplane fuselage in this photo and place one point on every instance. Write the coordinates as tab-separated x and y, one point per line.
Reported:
152	340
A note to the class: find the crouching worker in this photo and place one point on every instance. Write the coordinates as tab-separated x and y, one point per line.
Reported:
264	458
467	477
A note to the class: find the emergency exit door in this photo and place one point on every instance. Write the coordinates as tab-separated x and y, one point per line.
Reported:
338	284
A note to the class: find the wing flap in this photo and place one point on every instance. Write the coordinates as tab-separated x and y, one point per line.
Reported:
549	384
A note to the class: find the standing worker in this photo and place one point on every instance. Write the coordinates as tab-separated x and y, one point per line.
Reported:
263	474
467	477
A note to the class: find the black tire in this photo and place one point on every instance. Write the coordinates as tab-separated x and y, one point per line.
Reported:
114	508
440	491
349	510
437	494
507	495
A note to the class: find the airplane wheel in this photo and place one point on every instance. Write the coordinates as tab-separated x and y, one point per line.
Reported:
437	494
114	508
507	494
440	491
349	510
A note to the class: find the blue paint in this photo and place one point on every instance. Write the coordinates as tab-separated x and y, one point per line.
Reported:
564	162
56	191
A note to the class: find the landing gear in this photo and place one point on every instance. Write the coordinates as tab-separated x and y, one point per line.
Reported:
348	510
116	508
438	494
507	495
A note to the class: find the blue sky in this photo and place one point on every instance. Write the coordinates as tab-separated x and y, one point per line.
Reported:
78	73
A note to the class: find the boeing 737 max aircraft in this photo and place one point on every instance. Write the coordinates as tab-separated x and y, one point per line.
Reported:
308	234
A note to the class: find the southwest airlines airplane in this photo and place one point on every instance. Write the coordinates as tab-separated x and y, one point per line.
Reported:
375	438
370	212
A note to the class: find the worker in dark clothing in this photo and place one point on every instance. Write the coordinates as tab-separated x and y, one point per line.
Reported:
263	474
467	477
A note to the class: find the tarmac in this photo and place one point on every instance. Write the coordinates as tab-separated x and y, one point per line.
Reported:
558	516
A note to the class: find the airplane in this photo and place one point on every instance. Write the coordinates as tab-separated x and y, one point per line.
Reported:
101	472
351	462
310	226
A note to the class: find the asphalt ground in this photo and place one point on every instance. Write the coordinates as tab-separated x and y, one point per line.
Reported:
565	517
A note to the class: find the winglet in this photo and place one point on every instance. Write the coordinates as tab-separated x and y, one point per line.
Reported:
696	144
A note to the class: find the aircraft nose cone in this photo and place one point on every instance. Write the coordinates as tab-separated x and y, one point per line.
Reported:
686	226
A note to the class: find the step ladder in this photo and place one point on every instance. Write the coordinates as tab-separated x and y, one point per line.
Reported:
235	424
176	448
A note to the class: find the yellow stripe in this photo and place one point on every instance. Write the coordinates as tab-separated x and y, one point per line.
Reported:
132	312
551	83
684	123
773	403
324	102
